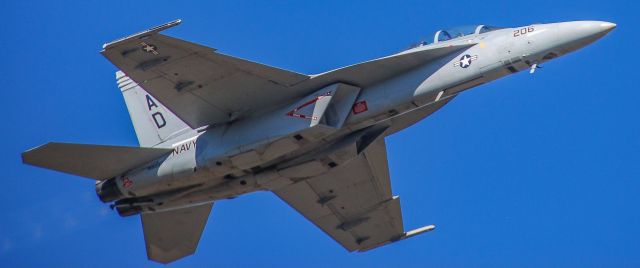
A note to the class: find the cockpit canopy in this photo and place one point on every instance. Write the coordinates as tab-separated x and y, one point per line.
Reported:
457	32
445	35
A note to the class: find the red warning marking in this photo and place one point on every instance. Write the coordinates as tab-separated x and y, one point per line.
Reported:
126	182
360	107
294	112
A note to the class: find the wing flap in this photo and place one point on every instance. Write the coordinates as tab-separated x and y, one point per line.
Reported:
92	161
174	234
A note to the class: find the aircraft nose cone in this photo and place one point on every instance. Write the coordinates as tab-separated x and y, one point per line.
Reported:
607	26
577	34
596	29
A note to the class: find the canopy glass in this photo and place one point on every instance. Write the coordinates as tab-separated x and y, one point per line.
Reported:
457	32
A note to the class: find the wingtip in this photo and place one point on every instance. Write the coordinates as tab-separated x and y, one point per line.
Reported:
149	31
418	231
25	155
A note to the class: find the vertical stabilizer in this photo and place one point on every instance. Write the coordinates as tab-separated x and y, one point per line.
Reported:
153	122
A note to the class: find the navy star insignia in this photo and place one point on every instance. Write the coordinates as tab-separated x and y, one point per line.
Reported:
149	48
465	61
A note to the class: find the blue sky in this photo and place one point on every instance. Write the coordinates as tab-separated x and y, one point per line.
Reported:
529	171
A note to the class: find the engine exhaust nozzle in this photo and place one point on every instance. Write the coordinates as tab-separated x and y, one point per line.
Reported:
108	191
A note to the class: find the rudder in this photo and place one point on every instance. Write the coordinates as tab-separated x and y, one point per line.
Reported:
152	121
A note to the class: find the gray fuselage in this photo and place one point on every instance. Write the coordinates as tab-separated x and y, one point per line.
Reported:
272	148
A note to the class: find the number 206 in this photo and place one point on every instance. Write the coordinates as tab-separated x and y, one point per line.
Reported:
523	31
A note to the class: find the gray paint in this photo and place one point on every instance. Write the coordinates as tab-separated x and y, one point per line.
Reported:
247	140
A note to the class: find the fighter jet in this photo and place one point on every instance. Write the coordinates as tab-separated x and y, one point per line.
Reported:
213	127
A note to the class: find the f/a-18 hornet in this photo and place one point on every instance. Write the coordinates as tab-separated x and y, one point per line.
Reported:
213	126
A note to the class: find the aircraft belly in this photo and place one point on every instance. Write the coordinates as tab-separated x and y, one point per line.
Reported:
312	122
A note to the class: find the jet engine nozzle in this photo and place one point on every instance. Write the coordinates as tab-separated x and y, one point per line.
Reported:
108	191
125	211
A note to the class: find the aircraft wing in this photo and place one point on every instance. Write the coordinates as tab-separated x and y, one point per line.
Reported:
353	202
173	234
199	85
204	87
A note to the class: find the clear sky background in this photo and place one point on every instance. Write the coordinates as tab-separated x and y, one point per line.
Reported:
529	171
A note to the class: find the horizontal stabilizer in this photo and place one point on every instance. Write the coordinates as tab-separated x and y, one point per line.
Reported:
92	161
174	234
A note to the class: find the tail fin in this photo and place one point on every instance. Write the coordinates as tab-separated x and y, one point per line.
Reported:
153	122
